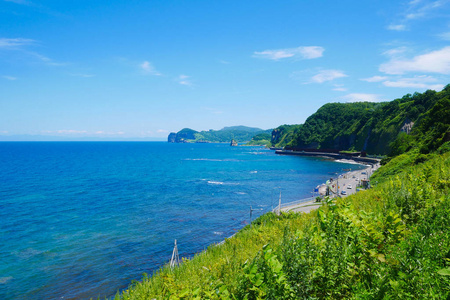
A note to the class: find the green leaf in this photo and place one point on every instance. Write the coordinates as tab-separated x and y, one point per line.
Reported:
444	272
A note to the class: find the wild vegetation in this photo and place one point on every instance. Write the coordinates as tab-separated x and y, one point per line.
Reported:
388	242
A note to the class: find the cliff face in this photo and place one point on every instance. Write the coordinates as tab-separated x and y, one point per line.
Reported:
182	136
283	135
172	137
363	126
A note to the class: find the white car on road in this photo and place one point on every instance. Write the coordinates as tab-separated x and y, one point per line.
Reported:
349	186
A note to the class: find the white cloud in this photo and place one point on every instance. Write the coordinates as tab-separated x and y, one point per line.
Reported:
9	77
417	9
434	62
148	68
421	82
340	89
395	51
184	80
397	27
18	44
305	52
359	97
162	131
327	75
444	36
374	79
14	43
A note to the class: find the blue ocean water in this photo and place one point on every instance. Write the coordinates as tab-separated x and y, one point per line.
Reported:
84	219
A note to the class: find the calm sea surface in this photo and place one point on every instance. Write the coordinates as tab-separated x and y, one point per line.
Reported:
84	219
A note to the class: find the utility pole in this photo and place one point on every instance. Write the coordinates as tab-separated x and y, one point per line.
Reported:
175	261
279	204
337	186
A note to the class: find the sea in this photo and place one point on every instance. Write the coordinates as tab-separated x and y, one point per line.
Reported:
81	220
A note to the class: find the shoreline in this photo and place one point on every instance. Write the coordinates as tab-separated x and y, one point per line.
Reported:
363	160
308	206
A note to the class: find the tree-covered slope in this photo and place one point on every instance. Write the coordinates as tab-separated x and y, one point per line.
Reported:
261	139
283	134
363	126
238	133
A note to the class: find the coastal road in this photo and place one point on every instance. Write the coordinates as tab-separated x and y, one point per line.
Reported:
348	182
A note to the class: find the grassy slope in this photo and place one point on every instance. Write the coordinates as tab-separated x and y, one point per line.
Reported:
389	242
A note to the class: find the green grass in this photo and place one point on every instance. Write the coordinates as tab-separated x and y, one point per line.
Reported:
390	242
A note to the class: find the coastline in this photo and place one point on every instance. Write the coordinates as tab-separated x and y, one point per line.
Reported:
336	156
346	179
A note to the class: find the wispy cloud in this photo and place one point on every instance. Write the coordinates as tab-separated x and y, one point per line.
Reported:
21	44
16	43
374	78
184	80
23	2
9	77
397	51
433	62
444	36
148	68
360	97
397	27
421	82
339	88
304	52
415	10
327	75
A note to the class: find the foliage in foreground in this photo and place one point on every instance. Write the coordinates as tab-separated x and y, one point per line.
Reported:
389	242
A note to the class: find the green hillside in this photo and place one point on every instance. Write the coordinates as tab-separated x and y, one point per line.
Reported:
363	126
389	242
261	139
225	135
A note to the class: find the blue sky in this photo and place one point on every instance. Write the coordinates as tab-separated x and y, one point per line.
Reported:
141	69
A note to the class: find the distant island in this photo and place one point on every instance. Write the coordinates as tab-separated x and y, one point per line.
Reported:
240	134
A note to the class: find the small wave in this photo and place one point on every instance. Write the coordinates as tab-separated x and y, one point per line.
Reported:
253	172
218	232
4	280
27	253
223	183
211	159
214	182
347	161
241	193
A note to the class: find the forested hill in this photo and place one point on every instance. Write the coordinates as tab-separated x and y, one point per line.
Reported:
238	133
378	128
